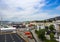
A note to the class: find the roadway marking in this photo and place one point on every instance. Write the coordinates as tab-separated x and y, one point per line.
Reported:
12	38
5	38
18	37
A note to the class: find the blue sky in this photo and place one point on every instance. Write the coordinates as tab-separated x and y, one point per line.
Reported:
28	10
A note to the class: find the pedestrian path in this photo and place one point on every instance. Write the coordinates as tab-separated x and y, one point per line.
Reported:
35	36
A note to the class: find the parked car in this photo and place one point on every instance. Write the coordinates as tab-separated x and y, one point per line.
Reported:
28	34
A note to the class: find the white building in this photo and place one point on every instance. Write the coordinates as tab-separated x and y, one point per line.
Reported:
57	25
8	30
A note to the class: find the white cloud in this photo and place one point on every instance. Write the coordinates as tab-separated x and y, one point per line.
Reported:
27	5
27	13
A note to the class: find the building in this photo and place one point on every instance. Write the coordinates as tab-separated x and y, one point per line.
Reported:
7	30
57	23
52	21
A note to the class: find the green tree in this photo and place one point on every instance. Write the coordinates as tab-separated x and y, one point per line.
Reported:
46	28
36	31
51	36
51	27
41	34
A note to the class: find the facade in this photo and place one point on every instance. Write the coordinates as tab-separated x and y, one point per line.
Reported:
7	30
52	21
57	25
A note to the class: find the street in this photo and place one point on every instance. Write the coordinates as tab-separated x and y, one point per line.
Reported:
11	38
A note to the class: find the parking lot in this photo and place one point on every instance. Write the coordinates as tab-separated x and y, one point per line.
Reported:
11	38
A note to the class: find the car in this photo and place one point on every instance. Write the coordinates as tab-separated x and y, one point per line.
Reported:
29	36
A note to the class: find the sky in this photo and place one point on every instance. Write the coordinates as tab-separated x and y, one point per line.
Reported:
29	10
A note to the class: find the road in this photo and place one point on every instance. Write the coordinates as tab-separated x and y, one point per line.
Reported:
21	32
11	38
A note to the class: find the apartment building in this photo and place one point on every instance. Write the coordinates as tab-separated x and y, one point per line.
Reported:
57	24
52	21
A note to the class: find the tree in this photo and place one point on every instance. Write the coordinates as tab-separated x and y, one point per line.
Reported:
51	27
41	34
36	31
51	36
50	20
46	28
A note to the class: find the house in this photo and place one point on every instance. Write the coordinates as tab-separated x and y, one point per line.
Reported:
52	21
57	23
